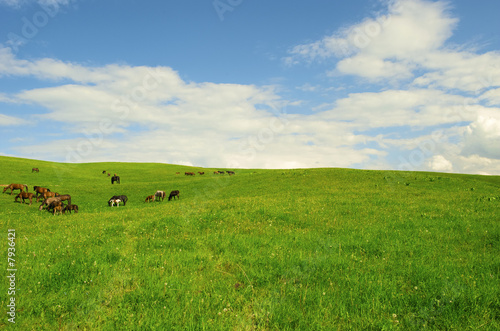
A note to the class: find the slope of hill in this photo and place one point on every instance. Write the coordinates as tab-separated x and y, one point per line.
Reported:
263	249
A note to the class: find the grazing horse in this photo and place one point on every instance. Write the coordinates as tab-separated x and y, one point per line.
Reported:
117	201
50	202
46	195
230	173
160	194
13	187
122	198
114	179
25	195
65	197
58	208
104	172
201	173
173	194
177	173
70	208
40	190
34	170
150	198
189	173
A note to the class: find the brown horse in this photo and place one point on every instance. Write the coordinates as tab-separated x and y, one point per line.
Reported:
150	198
39	191
46	195
34	170
189	173
13	187
201	173
173	194
50	202
58	207
65	197
25	195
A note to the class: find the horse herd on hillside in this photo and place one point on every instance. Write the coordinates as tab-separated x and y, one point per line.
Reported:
217	172
54	202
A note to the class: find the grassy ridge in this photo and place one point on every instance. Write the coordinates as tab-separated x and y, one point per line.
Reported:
264	249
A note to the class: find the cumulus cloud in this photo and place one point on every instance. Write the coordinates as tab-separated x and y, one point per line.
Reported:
440	163
387	44
482	136
409	42
395	108
160	117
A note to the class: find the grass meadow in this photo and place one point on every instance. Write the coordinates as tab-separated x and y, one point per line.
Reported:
304	249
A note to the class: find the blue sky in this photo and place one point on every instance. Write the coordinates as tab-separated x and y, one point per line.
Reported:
369	84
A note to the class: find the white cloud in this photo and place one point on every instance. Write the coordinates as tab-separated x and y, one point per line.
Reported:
482	137
48	3
394	108
373	68
6	120
440	163
386	45
394	47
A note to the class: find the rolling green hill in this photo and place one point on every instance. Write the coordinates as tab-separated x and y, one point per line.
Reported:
311	249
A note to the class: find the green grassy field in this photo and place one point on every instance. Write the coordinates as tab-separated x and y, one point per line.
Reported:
309	249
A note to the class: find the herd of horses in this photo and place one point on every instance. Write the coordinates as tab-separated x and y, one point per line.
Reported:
161	196
217	172
54	202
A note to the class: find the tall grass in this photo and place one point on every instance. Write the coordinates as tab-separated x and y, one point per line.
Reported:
315	249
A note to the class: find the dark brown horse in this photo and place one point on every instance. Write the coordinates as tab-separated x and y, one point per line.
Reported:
70	208
189	173
114	179
173	194
24	196
34	170
13	187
